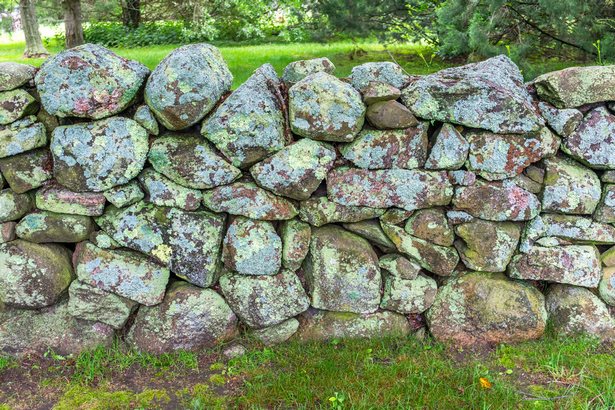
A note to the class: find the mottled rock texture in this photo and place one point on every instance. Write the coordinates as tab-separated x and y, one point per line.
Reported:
13	75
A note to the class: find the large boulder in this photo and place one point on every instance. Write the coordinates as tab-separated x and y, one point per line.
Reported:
187	84
45	226
488	95
21	136
33	276
27	171
188	243
88	81
99	155
262	301
322	107
89	302
342	271
14	75
321	211
485	308
13	206
56	198
15	105
250	124
593	141
189	318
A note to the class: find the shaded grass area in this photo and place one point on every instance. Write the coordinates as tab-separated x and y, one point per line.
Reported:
554	373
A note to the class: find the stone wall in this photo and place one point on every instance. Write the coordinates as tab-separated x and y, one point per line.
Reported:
163	209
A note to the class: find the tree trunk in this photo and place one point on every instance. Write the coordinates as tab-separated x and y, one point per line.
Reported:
72	23
131	13
29	23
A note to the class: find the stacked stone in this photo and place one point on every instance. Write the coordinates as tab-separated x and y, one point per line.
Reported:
162	209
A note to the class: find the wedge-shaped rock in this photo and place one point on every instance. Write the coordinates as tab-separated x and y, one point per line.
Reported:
371	230
45	226
189	318
488	95
383	71
188	243
569	187
33	276
374	149
13	75
146	119
449	149
91	303
125	195
575	86
99	155
408	296
440	260
377	91
161	191
298	70
250	124
262	301
24	332
248	199
21	136
7	232
574	265
296	236
487	246
431	225
563	121
321	107
397	265
342	271
56	198
496	201
252	247
390	115
187	84
277	334
13	206
297	170
321	211
593	141
605	211
191	162
15	105
486	308
323	325
88	81
27	171
403	188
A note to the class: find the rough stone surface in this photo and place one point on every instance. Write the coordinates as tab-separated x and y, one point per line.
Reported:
484	308
144	117
56	198
21	136
605	211
563	121
88	302
390	115
399	266
13	206
277	334
186	85
124	195
371	230
45	226
161	191
88	81
449	149
296	236
16	104
27	171
385	72
7	232
431	225
298	70
593	141
13	75
376	91
320	211
408	296
606	288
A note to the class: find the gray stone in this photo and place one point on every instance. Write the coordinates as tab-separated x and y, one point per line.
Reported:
146	119
13	206
385	72
296	236
321	211
298	70
390	115
449	149
606	288
371	230
27	171
408	297
45	226
91	303
56	198
16	104
605	211
376	91
593	141
13	75
21	136
125	195
161	191
563	121
277	334
398	265
431	225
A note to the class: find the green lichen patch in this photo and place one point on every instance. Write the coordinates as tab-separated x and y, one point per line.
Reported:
16	104
13	205
21	136
27	171
124	195
298	70
320	211
56	198
296	236
161	191
408	296
45	226
88	302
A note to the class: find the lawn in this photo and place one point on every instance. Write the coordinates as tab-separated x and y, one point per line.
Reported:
244	59
342	374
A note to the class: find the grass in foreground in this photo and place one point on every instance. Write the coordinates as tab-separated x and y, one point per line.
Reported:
392	373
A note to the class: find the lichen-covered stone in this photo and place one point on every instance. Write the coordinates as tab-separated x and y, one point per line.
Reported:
296	236
449	149
384	71
371	230
144	117
389	115
608	177
102	240
563	121
88	81
575	311
320	325
7	232
250	124
321	211
487	246
13	75
593	141
56	198
33	276
252	247
376	91
13	205
606	288
276	334
395	216
27	171
408	296
431	225
569	187
486	308
21	136
248	199
16	104
500	156
189	318
297	170
458	217
45	226
605	211
50	122
125	273
187	84
608	257
161	191
397	265
374	149
99	155
488	95
342	271
408	189
24	332
575	265
191	162
262	301
321	107
440	260
88	302
576	86
496	201
462	177
298	70
522	181
125	195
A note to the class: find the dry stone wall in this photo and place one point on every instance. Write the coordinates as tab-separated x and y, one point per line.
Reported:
162	208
